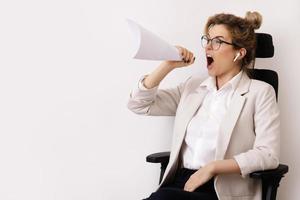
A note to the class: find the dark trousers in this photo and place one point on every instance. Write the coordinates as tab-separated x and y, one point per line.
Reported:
174	190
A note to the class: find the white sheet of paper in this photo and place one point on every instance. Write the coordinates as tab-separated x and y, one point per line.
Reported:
149	46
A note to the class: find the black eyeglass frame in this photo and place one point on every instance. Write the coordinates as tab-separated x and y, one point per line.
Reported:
219	42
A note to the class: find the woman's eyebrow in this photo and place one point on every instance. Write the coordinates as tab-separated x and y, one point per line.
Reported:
220	36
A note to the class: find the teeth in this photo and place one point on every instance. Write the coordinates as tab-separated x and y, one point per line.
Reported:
208	55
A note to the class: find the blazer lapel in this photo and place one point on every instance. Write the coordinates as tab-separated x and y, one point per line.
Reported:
191	106
232	116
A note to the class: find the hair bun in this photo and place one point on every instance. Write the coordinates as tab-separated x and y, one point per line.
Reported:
254	18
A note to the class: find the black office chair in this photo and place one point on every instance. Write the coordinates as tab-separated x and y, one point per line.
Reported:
270	178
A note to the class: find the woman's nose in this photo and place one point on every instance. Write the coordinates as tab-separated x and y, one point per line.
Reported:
208	46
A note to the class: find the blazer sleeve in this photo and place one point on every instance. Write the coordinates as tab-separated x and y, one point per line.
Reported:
155	101
266	149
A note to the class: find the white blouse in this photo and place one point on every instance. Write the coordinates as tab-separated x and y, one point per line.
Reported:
199	146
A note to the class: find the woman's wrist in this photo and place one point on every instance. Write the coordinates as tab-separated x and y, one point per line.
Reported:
228	166
167	65
212	167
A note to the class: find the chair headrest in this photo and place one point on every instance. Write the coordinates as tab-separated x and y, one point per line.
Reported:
264	46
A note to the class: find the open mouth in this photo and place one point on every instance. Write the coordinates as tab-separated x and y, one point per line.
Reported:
210	60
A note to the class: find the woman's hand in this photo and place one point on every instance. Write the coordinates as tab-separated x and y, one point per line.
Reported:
200	177
187	58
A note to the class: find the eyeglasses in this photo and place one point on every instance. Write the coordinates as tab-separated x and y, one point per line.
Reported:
215	42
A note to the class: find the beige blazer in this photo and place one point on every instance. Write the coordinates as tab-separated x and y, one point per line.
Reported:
249	132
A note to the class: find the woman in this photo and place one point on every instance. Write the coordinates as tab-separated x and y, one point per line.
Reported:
226	126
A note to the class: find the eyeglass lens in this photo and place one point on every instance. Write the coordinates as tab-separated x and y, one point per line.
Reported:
215	42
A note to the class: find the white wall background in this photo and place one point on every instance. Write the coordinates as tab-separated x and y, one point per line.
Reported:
65	76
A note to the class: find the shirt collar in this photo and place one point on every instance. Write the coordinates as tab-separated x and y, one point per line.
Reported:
210	82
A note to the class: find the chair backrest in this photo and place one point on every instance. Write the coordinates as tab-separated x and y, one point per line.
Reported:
269	76
264	46
265	49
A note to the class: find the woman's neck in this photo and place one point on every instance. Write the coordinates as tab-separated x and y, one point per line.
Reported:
224	78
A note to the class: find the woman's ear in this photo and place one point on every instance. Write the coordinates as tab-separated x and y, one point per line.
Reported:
242	52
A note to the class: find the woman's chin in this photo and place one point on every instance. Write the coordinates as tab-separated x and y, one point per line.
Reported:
210	69
211	72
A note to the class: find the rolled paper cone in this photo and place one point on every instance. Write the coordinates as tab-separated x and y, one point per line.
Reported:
148	46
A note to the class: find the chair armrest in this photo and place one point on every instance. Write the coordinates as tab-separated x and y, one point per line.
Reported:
270	174
162	157
270	180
